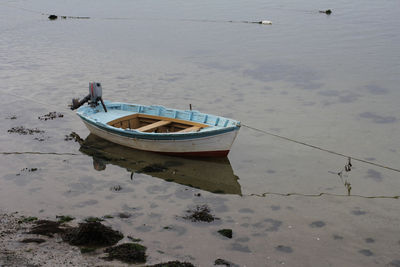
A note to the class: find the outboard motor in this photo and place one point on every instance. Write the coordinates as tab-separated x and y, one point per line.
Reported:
93	98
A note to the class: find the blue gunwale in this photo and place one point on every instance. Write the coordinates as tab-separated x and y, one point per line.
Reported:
97	118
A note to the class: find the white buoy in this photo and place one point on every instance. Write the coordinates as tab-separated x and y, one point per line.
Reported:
266	22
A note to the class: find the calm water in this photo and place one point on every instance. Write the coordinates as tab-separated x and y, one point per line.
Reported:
331	81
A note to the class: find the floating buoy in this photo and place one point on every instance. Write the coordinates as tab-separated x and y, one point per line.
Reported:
52	17
328	11
265	22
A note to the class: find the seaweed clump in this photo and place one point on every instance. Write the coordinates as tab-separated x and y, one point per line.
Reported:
92	234
46	228
128	252
24	131
172	264
50	116
200	213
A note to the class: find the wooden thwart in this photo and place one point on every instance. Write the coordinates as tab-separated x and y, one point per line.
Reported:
153	126
190	129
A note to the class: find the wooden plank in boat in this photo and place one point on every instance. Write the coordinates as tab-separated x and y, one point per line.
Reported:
191	123
190	129
153	126
141	115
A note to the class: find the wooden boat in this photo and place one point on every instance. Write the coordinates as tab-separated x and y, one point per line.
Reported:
157	129
210	174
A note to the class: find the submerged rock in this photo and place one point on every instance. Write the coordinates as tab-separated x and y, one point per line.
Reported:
92	234
128	252
226	232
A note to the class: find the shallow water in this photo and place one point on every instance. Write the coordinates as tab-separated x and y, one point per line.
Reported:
330	81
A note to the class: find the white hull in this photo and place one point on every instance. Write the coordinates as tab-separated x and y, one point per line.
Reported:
215	143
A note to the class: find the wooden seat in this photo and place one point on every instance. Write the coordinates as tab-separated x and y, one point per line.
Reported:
153	126
190	129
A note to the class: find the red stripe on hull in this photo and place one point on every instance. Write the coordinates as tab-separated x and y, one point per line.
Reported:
220	153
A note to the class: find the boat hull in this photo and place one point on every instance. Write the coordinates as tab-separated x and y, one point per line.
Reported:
217	145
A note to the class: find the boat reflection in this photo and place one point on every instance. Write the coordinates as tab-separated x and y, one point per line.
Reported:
213	175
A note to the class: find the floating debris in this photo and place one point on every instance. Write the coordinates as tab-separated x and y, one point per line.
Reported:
265	22
200	213
24	131
51	116
54	17
116	188
328	11
226	232
128	252
92	234
29	169
12	117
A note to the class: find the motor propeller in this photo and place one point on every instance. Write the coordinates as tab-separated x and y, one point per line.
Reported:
93	98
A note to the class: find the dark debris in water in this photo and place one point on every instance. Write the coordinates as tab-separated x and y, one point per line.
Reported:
172	264
128	252
24	131
12	117
92	234
29	169
200	214
226	232
50	116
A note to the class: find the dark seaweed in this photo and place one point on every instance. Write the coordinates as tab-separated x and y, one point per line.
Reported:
128	252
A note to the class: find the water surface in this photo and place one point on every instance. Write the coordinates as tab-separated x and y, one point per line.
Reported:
331	81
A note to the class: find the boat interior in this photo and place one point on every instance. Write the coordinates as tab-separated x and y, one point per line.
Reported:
156	124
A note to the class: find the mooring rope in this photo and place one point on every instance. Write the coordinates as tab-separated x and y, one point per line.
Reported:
319	195
37	153
321	149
